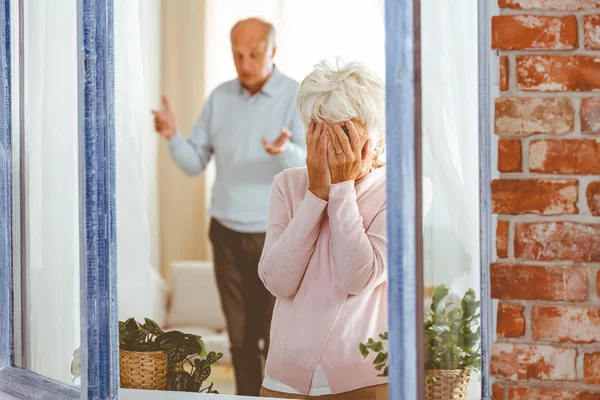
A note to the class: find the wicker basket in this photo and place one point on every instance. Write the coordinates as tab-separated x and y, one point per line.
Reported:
143	369
447	384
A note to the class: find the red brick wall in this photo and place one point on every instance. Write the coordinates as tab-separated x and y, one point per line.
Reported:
547	200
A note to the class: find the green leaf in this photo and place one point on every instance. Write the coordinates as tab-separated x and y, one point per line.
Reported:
213	357
202	352
122	328
381	357
177	354
180	381
439	294
383	336
131	325
193	347
153	327
204	373
469	303
198	376
167	343
363	350
199	364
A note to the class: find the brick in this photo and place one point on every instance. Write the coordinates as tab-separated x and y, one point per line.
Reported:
502	239
591	29
535	196
527	116
504	73
598	283
561	5
591	368
569	157
553	241
590	115
532	32
511	322
566	324
510	157
550	393
528	282
592	194
522	362
558	73
497	392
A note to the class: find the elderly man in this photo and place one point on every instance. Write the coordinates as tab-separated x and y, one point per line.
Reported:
253	128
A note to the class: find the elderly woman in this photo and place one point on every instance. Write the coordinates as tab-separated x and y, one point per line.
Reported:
325	255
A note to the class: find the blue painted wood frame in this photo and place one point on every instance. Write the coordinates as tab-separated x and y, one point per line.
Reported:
403	117
15	381
6	339
99	317
485	195
18	382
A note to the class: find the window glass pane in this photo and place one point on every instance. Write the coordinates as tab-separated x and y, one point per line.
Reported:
51	188
450	188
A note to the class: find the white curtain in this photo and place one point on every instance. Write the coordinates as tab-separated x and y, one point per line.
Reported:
450	128
450	156
52	209
133	234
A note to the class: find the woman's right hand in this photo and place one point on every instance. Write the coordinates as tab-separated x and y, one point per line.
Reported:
319	177
164	120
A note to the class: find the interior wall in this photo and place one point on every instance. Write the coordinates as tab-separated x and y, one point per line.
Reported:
183	200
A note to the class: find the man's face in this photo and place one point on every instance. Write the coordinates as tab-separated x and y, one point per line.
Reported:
252	55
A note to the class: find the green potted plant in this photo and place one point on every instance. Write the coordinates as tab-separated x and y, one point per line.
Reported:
152	359
452	345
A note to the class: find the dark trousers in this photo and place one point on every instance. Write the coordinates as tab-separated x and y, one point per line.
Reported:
247	304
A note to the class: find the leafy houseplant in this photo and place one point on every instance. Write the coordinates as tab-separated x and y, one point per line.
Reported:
452	345
181	350
378	348
452	333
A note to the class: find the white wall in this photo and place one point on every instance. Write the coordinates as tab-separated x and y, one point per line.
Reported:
150	28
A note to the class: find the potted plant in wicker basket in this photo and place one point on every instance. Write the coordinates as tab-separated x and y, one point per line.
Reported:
152	359
452	346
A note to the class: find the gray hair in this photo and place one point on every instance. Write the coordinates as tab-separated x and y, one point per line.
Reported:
344	92
267	25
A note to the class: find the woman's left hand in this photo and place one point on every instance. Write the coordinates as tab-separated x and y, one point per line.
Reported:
345	161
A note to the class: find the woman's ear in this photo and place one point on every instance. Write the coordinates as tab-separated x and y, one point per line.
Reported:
366	150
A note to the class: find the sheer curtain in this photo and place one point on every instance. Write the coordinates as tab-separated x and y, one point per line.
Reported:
450	130
133	234
52	184
450	152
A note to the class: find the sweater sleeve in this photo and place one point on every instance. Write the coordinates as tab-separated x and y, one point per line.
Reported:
290	242
359	254
193	154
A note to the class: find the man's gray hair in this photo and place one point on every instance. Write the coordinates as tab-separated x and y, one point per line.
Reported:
270	29
344	92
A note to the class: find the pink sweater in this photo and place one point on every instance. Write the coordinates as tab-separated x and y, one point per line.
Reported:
326	262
